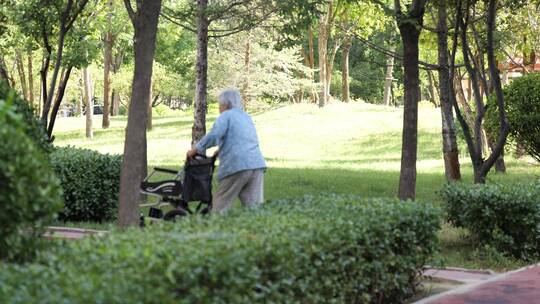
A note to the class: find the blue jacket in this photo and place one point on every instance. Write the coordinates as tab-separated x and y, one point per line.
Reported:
234	133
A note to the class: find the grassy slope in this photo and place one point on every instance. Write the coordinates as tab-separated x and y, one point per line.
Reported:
343	148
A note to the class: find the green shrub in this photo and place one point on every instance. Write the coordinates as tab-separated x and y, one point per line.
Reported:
32	126
506	217
522	98
30	193
314	250
91	183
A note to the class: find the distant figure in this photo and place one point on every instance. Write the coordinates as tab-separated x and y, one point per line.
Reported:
241	164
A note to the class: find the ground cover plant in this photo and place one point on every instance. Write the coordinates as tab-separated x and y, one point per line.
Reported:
340	249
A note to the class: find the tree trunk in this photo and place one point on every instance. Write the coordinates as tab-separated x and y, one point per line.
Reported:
150	101
345	68
407	178
80	100
389	78
30	79
450	147
330	68
462	100
3	70
59	96
56	70
115	96
314	96
323	54
498	145
433	98
505	74
89	103
115	106
43	75
300	94
200	107
22	74
500	165
145	22
107	60
247	70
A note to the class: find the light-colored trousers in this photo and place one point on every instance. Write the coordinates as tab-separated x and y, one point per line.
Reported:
247	185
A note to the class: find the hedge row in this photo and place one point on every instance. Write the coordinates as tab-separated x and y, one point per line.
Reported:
506	217
30	193
314	250
90	180
91	183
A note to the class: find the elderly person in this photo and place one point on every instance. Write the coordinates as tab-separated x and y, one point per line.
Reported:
241	168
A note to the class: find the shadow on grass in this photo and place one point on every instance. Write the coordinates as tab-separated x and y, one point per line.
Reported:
163	127
429	144
296	182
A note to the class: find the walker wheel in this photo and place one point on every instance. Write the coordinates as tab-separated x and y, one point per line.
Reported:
175	214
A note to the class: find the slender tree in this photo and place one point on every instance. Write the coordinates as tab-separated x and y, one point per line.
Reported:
145	21
473	131
22	74
108	41
389	78
88	102
410	24
345	51
3	70
450	147
30	78
201	86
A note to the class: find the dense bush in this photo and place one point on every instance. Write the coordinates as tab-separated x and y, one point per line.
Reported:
506	217
314	250
522	99
32	126
30	193
91	183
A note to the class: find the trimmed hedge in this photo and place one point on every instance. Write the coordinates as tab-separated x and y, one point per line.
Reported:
522	97
506	217
32	126
30	193
314	250
91	183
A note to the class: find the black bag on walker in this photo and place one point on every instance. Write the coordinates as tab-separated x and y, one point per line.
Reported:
198	179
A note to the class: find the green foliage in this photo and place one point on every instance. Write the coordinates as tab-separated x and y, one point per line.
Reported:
522	98
368	69
275	75
523	108
30	193
91	183
327	249
32	126
505	217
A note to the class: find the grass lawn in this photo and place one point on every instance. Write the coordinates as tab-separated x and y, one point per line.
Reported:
343	148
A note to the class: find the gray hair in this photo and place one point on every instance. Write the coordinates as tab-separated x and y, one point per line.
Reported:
231	98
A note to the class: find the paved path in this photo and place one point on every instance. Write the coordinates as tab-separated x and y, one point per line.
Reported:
70	233
516	287
460	275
